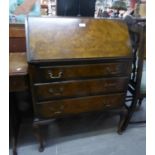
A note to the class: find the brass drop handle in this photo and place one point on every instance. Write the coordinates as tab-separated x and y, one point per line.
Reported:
57	110
109	70
57	91
108	105
110	84
55	76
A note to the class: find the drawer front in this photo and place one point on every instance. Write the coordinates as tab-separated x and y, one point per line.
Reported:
18	83
79	88
44	74
79	105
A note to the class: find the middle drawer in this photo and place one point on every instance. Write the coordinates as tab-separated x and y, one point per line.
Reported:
79	88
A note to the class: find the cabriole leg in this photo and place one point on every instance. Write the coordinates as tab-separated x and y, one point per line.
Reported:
37	133
123	116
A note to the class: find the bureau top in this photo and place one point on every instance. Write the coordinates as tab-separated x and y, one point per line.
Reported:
76	38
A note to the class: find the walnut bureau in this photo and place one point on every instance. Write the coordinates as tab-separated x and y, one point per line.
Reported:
77	65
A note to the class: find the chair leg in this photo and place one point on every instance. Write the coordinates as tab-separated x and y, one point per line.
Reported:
140	102
37	133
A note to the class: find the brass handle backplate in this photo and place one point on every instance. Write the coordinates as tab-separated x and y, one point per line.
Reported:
55	76
54	91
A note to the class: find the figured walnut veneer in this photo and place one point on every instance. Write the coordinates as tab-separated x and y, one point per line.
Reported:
61	38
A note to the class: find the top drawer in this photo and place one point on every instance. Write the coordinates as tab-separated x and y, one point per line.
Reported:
71	72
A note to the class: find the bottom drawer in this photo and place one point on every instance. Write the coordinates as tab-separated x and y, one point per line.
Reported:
79	105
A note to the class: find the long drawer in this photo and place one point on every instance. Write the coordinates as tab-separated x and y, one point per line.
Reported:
71	72
78	88
79	105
